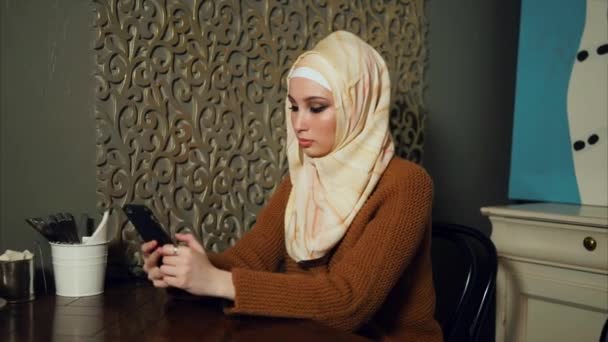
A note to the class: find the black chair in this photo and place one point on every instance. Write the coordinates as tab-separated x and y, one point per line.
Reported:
464	272
604	334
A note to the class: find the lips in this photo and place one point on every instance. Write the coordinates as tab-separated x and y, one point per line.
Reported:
304	143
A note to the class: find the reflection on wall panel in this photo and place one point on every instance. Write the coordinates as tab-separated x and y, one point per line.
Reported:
190	102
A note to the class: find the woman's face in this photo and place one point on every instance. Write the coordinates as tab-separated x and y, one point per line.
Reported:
313	116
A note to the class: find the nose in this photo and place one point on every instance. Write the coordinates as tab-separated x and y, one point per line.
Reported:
299	122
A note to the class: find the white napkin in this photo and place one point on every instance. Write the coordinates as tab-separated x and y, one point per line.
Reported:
10	255
100	235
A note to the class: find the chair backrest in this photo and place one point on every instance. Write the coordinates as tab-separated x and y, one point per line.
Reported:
604	335
464	272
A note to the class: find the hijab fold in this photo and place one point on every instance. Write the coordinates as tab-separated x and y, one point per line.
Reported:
329	191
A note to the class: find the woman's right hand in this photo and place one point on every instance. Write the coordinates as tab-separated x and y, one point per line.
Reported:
152	256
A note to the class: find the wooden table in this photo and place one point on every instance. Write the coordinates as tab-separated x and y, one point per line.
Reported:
139	312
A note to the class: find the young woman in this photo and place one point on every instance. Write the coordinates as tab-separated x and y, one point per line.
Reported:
345	239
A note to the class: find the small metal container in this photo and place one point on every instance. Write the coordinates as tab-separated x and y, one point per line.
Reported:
17	280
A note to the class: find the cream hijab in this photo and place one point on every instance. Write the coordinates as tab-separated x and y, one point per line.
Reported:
328	191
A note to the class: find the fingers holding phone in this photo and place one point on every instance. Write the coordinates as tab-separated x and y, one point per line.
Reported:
166	266
157	277
154	235
151	257
189	240
152	261
187	266
148	247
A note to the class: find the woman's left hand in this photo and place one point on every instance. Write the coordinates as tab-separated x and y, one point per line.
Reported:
187	267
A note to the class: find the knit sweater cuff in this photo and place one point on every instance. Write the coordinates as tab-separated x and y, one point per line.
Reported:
257	294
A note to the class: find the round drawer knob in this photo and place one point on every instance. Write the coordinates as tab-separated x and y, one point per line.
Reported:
589	243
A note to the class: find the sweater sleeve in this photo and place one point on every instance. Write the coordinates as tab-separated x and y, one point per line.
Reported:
354	288
262	247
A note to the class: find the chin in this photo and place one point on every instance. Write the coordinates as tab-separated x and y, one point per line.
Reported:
315	154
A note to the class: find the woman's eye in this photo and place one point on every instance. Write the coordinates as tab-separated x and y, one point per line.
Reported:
318	109
293	108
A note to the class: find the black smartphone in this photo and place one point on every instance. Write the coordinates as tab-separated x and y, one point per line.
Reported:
146	224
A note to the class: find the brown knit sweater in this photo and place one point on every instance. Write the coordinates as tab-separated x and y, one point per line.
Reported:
377	280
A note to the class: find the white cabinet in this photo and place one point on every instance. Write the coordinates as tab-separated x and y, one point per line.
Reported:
552	282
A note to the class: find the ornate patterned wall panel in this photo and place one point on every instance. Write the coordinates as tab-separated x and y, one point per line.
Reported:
189	101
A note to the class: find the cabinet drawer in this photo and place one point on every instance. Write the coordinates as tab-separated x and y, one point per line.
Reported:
552	243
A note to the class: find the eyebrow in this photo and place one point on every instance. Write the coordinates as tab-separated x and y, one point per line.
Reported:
309	98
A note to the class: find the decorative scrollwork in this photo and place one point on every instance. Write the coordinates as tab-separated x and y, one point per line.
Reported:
189	101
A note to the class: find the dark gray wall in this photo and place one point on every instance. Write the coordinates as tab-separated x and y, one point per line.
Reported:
47	136
470	97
